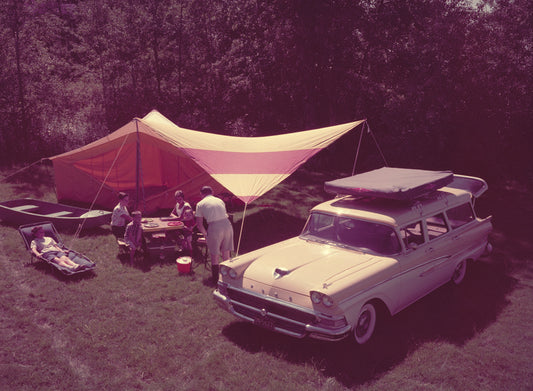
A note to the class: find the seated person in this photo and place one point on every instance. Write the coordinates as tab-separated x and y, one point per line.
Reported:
47	248
134	234
120	216
189	222
181	204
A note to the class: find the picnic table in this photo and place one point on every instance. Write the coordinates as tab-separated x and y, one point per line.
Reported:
162	235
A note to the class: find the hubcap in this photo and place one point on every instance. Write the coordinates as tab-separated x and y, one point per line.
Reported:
364	322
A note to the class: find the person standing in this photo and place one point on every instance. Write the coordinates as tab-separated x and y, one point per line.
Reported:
120	216
219	233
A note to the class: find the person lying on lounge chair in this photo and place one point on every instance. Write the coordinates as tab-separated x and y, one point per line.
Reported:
47	248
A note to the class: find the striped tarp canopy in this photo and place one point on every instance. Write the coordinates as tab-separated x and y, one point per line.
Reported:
247	166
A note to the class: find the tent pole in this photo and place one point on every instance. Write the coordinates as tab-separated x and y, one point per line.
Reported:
137	167
358	146
242	225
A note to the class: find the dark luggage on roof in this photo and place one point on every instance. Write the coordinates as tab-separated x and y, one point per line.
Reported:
389	182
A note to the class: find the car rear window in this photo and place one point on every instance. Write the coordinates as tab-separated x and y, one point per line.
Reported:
460	215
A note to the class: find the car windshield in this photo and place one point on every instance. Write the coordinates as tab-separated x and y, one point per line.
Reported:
347	231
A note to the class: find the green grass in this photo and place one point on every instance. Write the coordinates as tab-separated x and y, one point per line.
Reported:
149	328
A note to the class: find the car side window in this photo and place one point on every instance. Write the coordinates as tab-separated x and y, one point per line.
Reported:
436	226
460	215
412	235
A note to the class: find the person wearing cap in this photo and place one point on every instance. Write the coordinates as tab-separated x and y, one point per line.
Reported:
219	233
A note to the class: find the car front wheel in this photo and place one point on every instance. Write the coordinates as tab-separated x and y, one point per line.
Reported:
366	324
459	273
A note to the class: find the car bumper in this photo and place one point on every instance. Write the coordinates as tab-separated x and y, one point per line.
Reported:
276	316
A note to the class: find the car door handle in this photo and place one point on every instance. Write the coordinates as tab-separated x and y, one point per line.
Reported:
429	250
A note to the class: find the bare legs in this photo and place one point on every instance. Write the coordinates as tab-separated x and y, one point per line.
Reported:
66	262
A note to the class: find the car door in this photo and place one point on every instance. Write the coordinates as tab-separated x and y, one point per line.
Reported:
439	252
424	261
410	283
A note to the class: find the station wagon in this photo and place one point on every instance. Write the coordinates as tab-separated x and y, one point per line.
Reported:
388	238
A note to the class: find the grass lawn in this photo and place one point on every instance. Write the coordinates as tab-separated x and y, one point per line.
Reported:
147	327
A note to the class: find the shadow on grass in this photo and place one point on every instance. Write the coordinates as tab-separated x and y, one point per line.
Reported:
48	269
451	314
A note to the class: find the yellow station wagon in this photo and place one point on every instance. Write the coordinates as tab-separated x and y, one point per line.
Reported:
388	238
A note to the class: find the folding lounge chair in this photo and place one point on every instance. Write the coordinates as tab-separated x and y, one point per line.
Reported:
50	230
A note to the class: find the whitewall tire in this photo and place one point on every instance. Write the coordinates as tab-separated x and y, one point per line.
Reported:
459	273
366	324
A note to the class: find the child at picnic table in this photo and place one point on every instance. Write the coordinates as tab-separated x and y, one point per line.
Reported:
47	248
189	222
134	236
120	217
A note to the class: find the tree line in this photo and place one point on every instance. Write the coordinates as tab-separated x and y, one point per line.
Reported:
443	84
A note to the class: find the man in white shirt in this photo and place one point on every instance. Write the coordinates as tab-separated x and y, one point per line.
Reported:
219	233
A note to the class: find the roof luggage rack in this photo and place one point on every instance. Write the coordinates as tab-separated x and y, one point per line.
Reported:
391	183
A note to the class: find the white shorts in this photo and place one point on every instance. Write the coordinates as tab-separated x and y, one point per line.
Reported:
219	237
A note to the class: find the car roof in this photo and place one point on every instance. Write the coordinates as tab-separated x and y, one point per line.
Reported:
395	212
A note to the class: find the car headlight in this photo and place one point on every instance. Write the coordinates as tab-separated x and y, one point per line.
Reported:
224	270
228	271
317	298
327	301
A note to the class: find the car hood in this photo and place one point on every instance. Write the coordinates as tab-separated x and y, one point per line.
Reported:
300	266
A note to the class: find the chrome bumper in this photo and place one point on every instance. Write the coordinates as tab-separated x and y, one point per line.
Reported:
279	323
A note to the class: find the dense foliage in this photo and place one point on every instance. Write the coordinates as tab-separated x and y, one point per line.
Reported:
443	84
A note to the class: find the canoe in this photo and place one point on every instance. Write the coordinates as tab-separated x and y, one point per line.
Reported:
28	210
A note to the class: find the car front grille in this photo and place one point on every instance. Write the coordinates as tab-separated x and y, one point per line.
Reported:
283	316
297	329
